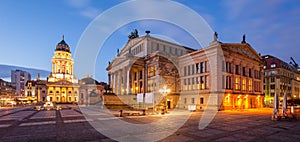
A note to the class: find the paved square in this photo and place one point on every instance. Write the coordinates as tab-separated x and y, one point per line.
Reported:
69	124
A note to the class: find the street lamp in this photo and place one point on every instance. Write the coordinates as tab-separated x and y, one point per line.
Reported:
164	91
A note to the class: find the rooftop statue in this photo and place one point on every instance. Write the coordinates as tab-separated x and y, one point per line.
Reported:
134	34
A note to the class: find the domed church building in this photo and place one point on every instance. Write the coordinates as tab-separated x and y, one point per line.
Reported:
62	84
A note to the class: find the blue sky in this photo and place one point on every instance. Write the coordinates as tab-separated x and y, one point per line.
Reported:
31	29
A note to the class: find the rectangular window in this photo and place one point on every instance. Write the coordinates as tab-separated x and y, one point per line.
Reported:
244	71
244	84
202	82
272	79
237	71
228	67
198	68
184	100
193	100
135	76
228	82
151	71
189	70
201	101
272	94
250	73
197	82
272	86
193	69
141	74
202	67
184	71
250	85
237	83
206	82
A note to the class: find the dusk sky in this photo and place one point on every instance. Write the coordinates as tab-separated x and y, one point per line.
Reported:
30	29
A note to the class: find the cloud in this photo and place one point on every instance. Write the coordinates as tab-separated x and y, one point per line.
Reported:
90	12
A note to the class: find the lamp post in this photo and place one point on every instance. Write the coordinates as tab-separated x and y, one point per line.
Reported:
164	91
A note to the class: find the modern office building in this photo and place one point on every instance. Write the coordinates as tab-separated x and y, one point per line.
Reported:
19	79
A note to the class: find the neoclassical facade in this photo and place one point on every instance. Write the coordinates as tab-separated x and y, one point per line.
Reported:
145	65
220	76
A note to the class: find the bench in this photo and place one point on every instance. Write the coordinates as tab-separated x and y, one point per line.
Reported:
131	113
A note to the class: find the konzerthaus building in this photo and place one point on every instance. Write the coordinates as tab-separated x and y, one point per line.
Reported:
230	74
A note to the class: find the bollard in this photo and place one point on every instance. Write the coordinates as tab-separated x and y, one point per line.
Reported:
162	111
121	113
144	112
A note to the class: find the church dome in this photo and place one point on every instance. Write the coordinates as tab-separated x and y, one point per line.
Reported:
62	46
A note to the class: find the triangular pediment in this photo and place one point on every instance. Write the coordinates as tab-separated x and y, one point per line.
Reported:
243	49
131	43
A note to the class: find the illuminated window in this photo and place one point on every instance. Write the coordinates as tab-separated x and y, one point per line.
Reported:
244	84
237	83
273	65
151	71
135	75
272	79
202	83
250	85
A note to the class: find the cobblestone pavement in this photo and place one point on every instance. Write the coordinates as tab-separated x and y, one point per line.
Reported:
69	124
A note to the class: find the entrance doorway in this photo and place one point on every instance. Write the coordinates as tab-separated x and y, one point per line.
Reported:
169	104
63	99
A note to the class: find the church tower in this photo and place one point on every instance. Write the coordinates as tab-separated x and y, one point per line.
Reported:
62	84
62	64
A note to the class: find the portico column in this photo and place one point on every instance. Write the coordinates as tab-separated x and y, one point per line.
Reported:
114	82
119	81
128	81
124	75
